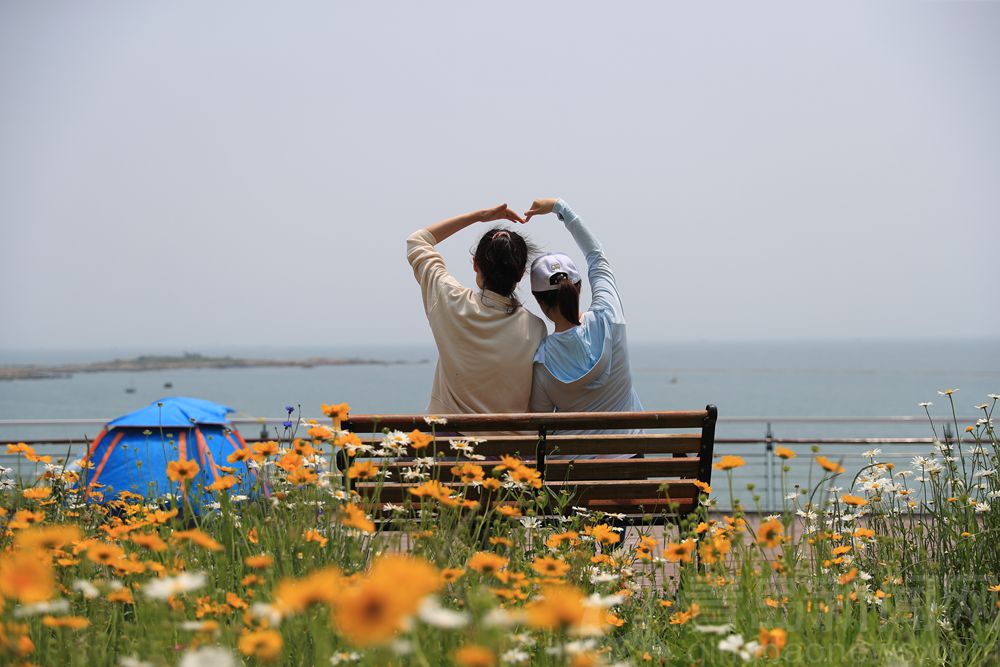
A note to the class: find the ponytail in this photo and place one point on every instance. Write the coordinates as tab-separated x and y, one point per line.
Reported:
566	298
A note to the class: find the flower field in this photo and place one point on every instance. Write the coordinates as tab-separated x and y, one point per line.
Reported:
890	567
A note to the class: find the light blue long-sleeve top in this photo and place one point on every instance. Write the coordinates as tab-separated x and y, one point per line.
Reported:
586	368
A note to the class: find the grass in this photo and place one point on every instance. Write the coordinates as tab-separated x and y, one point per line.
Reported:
892	567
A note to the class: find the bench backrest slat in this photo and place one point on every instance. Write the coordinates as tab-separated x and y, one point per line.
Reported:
633	486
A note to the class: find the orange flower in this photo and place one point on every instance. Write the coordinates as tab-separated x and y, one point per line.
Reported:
772	641
71	622
337	411
473	655
450	574
265	449
679	552
259	562
362	470
47	537
203	540
222	484
103	553
829	465
419	440
550	567
239	455
705	488
468	473
37	493
856	501
315	536
769	533
151	541
509	510
784	453
26	578
263	644
492	483
603	533
123	595
848	577
354	517
486	562
556	540
729	462
181	471
301	477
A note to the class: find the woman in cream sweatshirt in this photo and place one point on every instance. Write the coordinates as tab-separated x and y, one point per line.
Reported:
486	340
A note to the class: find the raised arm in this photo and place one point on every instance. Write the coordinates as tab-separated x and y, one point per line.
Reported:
445	228
428	266
602	281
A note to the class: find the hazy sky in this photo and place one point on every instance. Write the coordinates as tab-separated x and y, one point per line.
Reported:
214	173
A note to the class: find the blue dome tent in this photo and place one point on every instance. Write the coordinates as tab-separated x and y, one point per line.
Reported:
132	452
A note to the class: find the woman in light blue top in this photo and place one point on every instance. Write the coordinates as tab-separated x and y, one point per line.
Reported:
583	366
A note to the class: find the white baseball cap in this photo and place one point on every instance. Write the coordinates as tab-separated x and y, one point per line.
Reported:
548	270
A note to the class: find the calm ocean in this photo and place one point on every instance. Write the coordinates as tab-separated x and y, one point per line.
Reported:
759	379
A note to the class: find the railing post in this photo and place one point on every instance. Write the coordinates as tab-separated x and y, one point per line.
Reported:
769	468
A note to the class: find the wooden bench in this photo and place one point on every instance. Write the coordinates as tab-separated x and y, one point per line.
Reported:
630	486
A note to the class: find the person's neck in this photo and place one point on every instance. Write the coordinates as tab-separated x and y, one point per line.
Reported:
562	324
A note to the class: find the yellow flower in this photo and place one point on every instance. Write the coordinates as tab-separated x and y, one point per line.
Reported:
472	655
729	462
784	453
856	501
486	562
829	465
263	644
181	471
769	533
705	488
506	541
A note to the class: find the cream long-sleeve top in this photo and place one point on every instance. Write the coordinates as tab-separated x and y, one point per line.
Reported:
486	342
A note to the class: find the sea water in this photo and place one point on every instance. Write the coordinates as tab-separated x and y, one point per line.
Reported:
758	382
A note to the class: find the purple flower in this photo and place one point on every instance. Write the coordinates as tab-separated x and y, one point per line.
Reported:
289	409
286	424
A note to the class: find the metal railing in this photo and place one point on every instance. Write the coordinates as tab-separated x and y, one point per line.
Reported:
763	467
